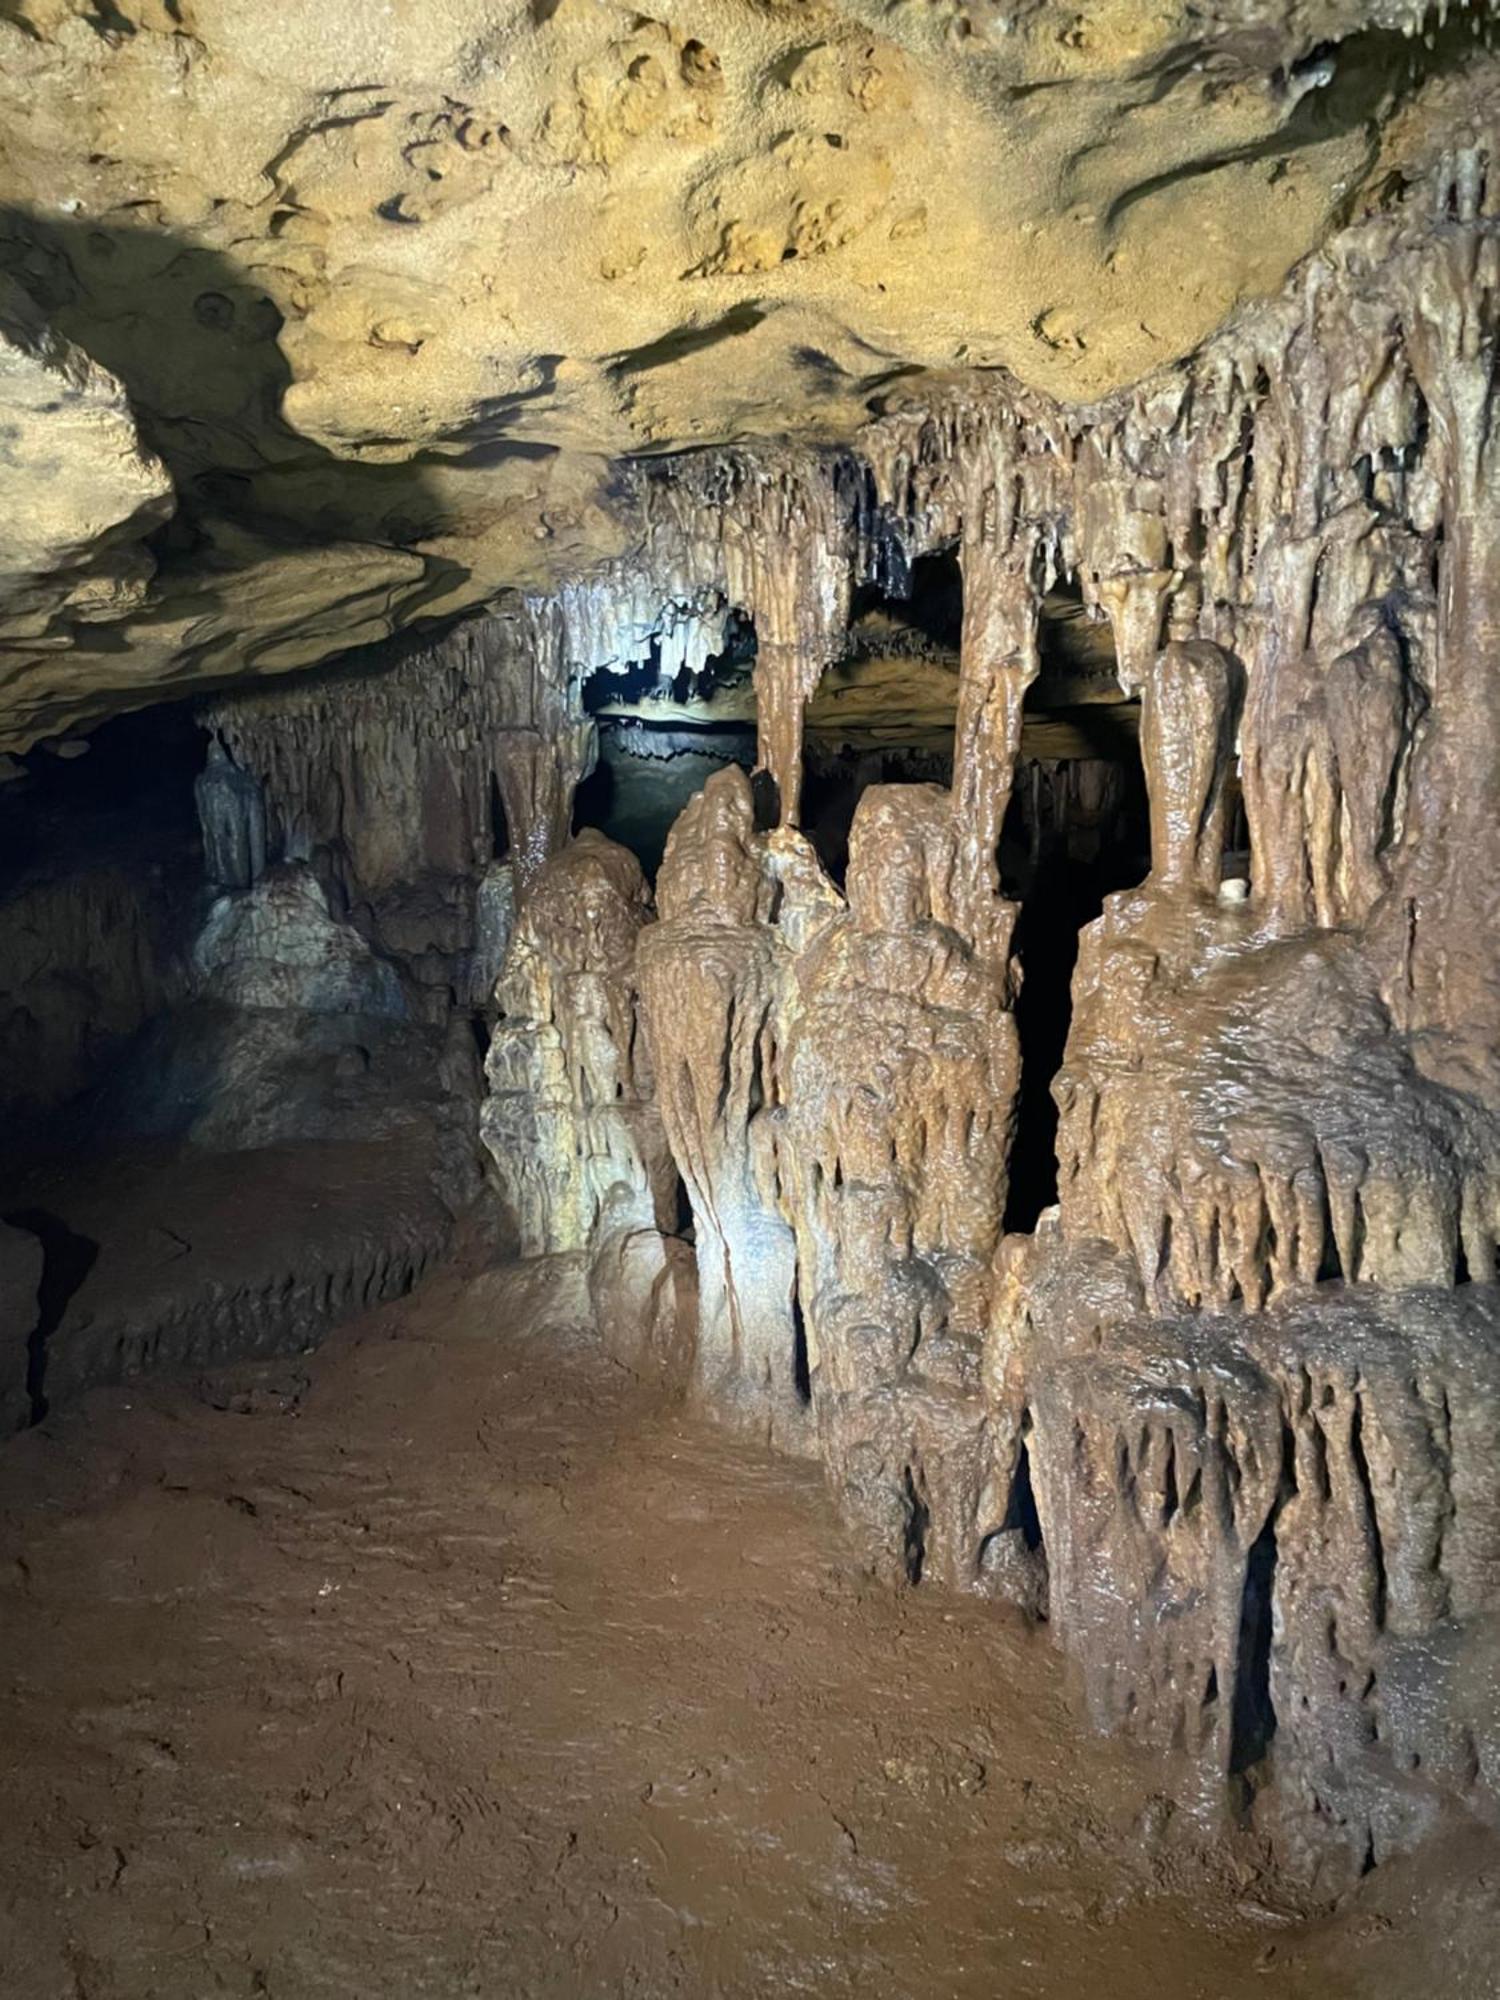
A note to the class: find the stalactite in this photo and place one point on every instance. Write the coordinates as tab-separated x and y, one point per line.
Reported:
232	818
780	534
998	661
385	775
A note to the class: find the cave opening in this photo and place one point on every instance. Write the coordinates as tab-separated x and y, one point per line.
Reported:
661	738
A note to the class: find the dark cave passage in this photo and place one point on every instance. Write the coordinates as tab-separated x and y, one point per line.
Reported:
660	740
1076	832
100	883
1063	894
125	792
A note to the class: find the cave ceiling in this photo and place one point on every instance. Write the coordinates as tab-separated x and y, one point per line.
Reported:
321	322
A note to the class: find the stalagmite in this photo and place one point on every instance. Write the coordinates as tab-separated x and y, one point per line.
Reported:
1188	719
709	974
899	1079
998	661
569	1122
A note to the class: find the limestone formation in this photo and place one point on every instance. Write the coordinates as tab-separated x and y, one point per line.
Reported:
1228	1416
719	224
1207	1416
711	971
1272	1542
232	816
570	1121
277	946
899	1079
79	490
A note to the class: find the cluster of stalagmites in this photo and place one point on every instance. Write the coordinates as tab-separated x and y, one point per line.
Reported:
1229	1417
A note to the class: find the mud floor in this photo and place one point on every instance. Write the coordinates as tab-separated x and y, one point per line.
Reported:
444	1662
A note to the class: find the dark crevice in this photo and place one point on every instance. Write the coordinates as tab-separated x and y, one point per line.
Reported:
1254	1720
1367	1488
1021	1513
67	1260
801	1370
914	1538
1171	1500
1014	1555
1253	1717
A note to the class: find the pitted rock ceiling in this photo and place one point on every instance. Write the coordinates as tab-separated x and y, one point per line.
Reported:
325	320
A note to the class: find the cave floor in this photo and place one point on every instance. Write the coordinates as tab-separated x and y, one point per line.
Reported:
446	1662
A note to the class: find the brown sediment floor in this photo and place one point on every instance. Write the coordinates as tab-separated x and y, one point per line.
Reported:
446	1662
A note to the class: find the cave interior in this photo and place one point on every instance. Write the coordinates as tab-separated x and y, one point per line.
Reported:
925	974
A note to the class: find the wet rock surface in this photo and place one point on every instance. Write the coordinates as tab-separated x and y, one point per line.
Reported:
158	1259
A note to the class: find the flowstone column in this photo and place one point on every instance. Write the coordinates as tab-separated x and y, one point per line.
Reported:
709	974
1189	710
901	1073
569	1122
232	818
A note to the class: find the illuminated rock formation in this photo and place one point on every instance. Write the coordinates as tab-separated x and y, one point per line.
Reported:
1226	1415
899	1077
710	974
570	1118
1272	1542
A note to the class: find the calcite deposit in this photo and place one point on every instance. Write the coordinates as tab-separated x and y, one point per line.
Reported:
1186	633
1223	1416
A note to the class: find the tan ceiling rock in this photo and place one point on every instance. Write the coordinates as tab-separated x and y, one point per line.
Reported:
405	278
78	490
